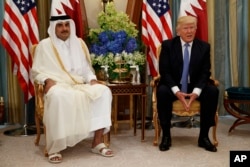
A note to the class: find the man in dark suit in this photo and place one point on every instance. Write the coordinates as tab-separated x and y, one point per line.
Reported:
171	64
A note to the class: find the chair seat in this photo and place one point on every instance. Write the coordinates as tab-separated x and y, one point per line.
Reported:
39	110
179	110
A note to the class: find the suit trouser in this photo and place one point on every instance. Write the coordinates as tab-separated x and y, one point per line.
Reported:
208	102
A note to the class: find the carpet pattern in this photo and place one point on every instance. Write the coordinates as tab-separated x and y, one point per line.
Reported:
129	151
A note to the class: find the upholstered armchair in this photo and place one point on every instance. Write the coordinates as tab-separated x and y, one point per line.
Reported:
178	108
39	110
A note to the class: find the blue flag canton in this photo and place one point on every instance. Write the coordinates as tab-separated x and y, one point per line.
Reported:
24	5
159	6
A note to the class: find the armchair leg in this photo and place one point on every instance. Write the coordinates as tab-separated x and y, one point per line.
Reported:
215	128
156	127
45	150
38	131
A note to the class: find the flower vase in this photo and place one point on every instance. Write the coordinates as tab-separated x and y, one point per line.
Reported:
106	73
102	73
138	75
133	73
99	74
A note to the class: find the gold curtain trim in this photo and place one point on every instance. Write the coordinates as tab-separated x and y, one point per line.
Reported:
211	30
233	42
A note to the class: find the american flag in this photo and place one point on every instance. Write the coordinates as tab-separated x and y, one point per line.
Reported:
156	27
71	8
20	32
198	9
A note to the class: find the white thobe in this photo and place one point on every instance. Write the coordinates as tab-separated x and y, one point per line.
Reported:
72	112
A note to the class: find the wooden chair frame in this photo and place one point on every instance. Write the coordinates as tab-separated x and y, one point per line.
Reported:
178	110
39	110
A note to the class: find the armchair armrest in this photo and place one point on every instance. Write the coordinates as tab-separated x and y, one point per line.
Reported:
39	101
155	81
215	82
153	84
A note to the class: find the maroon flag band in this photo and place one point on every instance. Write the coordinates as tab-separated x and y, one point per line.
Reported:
72	8
198	9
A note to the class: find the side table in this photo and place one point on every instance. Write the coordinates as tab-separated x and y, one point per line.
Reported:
137	91
234	100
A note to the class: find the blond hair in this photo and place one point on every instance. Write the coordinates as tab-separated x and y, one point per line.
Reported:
186	20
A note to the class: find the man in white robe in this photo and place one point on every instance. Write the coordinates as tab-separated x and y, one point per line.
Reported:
75	105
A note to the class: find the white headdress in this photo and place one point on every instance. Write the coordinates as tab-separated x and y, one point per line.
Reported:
75	46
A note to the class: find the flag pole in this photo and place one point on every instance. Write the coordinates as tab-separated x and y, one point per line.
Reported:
24	130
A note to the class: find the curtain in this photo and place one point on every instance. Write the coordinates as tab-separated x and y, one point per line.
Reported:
43	10
3	57
229	39
9	88
248	39
3	65
228	35
243	41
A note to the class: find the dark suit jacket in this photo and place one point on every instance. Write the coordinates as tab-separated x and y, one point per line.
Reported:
171	63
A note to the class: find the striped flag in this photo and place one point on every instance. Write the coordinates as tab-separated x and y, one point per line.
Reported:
71	8
20	32
156	27
198	9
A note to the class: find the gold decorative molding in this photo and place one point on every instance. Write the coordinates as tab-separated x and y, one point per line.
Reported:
134	8
84	19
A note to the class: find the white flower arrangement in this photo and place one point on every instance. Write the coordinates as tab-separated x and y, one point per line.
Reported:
135	58
115	41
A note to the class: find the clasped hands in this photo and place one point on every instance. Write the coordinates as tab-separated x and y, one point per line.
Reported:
183	98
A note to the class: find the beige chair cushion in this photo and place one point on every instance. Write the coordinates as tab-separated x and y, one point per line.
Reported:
179	110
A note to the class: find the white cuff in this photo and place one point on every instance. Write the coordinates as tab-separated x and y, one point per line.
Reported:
197	91
175	89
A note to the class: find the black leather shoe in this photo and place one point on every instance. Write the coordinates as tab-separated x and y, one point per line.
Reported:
205	143
165	143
